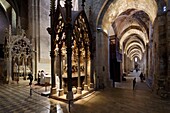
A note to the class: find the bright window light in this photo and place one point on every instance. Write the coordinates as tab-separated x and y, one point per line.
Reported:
164	8
136	59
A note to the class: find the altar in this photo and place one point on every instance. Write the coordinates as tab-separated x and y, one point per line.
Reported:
45	79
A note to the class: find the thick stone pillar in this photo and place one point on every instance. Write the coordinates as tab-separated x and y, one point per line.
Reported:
102	59
52	54
108	82
161	47
92	72
92	64
69	31
129	64
99	57
34	32
144	63
168	43
151	67
124	61
147	60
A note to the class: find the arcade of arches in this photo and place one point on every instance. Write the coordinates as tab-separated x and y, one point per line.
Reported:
109	38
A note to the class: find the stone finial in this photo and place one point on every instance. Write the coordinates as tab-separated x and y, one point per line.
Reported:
52	6
83	1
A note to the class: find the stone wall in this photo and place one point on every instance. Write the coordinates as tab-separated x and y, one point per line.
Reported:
24	14
3	25
155	52
38	21
44	39
162	48
96	6
106	63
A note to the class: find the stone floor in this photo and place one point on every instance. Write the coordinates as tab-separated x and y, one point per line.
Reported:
15	98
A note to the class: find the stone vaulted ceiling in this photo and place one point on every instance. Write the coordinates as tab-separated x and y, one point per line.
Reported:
131	21
4	4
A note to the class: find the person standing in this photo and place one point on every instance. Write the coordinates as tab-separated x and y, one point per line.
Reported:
39	77
42	78
141	77
17	78
31	78
134	83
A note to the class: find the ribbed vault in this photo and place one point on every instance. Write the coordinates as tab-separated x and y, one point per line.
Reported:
131	22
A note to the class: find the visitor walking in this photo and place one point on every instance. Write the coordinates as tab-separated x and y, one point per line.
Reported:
134	83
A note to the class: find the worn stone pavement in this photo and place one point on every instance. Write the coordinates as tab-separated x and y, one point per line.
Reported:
123	99
15	98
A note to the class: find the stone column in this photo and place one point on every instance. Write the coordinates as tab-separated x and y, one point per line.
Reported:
61	91
128	64
60	75
168	43
86	61
125	70
37	30
53	36
99	57
161	47
18	66
34	32
92	48
79	74
69	31
25	70
9	66
9	56
91	71
144	62
147	60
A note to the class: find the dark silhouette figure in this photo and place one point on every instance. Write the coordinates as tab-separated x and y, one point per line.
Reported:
134	83
137	70
31	78
123	77
141	77
39	76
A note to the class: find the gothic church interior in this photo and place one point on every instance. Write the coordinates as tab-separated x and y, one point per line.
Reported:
102	41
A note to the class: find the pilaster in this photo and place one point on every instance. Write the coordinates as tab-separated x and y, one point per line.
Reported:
34	32
147	60
99	57
168	43
161	47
